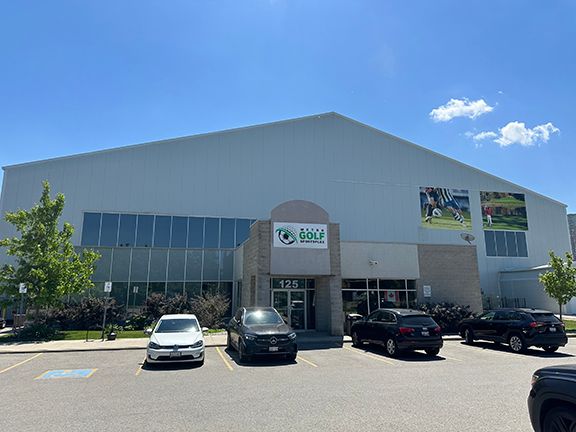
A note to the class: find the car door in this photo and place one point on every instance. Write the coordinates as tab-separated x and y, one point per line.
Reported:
500	325
370	326
234	329
483	326
385	323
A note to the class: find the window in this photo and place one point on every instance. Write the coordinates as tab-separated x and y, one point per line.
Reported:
176	265
521	241
211	259
144	231
226	265
242	231
109	230
121	265
139	266
489	316
162	231
500	243
91	229
102	271
194	265
195	232
227	233
490	241
211	233
158	261
505	243
511	244
127	233
179	232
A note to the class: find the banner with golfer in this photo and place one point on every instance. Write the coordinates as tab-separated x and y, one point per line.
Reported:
444	208
504	211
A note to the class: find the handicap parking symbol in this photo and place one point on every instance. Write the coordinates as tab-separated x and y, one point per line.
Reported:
67	373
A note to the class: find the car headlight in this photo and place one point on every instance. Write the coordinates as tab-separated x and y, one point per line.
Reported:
250	337
153	345
292	336
197	344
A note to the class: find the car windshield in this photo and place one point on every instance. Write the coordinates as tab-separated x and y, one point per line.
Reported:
262	317
418	320
545	317
177	325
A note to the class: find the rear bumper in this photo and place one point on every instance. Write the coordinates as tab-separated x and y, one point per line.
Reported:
420	343
547	339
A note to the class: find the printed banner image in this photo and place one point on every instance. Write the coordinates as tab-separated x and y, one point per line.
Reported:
444	208
504	211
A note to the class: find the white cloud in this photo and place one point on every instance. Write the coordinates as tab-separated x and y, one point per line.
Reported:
517	133
460	108
484	135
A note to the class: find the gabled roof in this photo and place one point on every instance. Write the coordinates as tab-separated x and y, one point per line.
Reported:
298	119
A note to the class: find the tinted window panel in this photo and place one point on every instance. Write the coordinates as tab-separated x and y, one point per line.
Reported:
120	292
242	231
140	259
211	259
176	265
121	265
545	317
162	231
174	289
194	265
226	265
179	232
355	302
102	272
127	234
501	243
91	229
521	242
419	320
511	244
109	232
227	233
158	261
145	230
354	284
211	233
490	241
195	232
193	289
156	287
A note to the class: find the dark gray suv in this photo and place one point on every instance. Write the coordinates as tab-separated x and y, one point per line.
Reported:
261	331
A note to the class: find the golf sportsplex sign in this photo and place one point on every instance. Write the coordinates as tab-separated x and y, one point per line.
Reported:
297	235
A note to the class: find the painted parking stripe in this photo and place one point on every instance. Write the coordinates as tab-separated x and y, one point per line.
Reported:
67	373
19	364
306	361
226	362
370	356
139	370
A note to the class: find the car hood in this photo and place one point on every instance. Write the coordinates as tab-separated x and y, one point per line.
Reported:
265	329
181	338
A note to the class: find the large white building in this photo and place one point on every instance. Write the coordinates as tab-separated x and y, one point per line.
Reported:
230	211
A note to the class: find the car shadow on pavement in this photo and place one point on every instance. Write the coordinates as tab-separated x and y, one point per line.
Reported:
170	366
530	352
408	356
260	361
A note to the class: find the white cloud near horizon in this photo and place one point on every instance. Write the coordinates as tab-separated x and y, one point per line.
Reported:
517	133
460	108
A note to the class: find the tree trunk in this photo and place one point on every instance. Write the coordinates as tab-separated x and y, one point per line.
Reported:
560	305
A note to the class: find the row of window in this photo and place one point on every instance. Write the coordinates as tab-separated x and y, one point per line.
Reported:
161	265
130	230
506	243
363	296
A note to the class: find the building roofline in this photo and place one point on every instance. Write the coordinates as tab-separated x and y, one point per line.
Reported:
322	115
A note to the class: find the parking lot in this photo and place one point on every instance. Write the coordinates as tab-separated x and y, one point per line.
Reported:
465	388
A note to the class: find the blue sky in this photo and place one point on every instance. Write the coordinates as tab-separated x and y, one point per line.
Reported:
78	76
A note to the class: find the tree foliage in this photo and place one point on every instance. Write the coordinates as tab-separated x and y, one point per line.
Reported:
45	258
560	281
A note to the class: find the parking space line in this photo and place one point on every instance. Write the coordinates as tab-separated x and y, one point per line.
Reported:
139	370
19	364
226	362
370	356
306	361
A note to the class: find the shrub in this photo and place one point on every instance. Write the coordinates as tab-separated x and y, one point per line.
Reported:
210	309
447	315
37	331
158	304
138	322
84	314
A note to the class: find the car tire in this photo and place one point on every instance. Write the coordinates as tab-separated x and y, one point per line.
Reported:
356	341
242	357
228	341
292	357
469	335
391	347
517	343
560	419
551	348
432	352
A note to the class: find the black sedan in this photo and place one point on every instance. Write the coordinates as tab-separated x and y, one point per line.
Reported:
552	399
399	330
261	331
519	328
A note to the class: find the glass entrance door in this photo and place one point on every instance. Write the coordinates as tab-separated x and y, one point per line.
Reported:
291	305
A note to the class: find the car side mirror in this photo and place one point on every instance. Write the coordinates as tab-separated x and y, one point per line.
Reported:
148	331
204	329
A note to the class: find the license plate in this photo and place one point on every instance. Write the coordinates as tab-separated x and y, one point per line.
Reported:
552	329
273	349
425	333
175	354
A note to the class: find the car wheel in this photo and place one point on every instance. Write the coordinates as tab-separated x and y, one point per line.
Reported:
517	343
469	336
292	356
560	419
551	348
391	347
356	341
432	352
228	341
241	354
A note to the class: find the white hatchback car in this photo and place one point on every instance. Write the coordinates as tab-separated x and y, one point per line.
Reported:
176	338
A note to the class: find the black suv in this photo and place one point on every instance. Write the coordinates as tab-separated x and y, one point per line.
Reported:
399	330
552	399
261	331
519	328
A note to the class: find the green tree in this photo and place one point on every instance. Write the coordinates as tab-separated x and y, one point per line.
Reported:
560	282
44	257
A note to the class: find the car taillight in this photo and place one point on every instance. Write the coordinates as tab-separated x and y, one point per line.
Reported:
406	330
437	330
535	324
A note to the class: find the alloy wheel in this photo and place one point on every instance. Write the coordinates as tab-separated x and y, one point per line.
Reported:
391	347
516	343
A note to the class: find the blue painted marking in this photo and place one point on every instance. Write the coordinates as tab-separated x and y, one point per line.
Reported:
67	373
